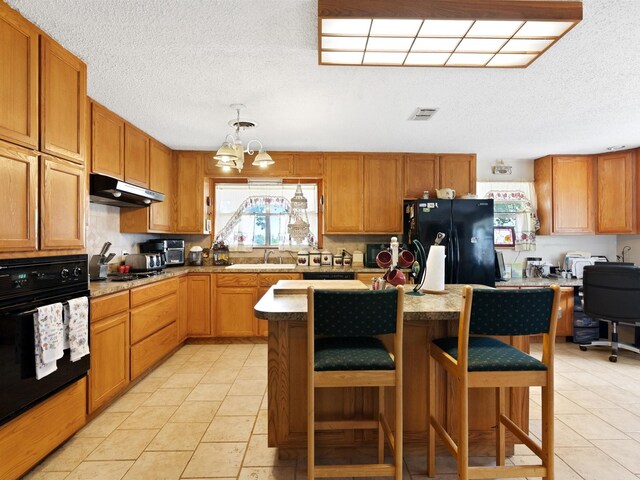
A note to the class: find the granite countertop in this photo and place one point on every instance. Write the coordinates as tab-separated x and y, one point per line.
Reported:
416	308
107	287
540	282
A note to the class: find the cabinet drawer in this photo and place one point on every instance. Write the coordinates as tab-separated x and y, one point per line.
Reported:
237	280
147	293
103	307
152	349
268	279
152	317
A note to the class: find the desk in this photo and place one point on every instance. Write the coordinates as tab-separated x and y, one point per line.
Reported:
426	317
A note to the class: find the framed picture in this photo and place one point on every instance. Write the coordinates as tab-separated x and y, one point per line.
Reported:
504	237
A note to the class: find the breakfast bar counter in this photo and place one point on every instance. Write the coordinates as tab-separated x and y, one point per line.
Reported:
426	317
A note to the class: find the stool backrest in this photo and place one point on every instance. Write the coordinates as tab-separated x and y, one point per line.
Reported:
612	292
353	313
511	312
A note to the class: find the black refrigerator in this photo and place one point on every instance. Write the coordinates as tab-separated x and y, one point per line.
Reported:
468	226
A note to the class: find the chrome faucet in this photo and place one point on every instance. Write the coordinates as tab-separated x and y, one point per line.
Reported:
267	253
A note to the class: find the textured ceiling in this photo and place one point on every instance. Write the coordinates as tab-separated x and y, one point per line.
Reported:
172	67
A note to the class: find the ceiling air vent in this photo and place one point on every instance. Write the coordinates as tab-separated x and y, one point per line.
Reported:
423	113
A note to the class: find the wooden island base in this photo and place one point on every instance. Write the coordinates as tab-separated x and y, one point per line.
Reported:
287	393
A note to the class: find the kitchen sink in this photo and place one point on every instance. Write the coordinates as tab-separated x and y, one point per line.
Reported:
262	266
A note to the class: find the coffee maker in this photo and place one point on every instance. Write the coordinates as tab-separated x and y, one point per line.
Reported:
172	250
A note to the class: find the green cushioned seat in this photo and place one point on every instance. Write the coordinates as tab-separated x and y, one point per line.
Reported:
490	354
351	353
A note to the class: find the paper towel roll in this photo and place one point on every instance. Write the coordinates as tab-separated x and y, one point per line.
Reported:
434	278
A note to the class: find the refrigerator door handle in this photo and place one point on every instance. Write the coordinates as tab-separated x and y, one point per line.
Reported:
450	260
456	256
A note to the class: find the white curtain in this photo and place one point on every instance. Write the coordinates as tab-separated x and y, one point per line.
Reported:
515	205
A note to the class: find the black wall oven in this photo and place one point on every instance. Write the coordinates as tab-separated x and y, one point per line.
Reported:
25	285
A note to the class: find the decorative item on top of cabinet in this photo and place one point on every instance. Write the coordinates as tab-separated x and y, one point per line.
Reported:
107	142
189	168
19	79
421	172
19	199
63	96
616	181
458	172
109	373
199	305
565	189
63	188
136	156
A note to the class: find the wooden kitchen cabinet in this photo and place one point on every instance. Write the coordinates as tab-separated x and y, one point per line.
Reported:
566	190
190	212
107	142
565	320
19	198
136	156
616	186
307	164
344	192
266	281
382	199
62	202
154	324
457	171
199	305
159	216
63	96
421	172
183	308
236	295
19	79
109	374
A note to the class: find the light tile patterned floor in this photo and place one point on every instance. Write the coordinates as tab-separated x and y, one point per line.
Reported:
202	414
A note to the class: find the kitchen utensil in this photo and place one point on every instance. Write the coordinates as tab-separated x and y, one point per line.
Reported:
358	258
395	277
326	258
315	258
105	249
383	259
109	257
303	258
405	259
446	193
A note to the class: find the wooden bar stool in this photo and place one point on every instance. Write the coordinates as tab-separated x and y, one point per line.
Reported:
481	362
344	350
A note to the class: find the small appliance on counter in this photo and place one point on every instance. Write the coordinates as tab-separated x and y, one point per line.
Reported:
98	265
145	262
171	249
195	256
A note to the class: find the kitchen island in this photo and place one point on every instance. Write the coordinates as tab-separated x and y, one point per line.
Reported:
426	317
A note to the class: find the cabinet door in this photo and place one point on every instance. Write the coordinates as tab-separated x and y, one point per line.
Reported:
421	173
136	156
183	308
234	311
266	280
19	79
62	201
107	142
344	190
458	171
18	197
307	164
63	94
565	320
199	305
616	192
109	372
382	193
573	190
189	168
161	180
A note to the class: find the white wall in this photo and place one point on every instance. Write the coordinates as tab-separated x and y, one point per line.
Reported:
632	241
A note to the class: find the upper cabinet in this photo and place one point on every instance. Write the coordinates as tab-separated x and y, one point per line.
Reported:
565	189
63	93
19	79
307	164
136	156
616	181
190	193
287	164
421	174
382	199
457	171
344	191
107	142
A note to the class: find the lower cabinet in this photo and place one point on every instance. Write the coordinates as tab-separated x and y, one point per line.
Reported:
154	324
236	295
183	308
109	331
199	305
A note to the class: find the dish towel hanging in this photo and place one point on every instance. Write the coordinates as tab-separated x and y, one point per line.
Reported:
49	338
76	313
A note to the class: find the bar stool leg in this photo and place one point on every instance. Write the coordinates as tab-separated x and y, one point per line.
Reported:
380	429
500	428
463	429
548	437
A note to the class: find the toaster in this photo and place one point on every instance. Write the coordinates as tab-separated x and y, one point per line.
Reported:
144	262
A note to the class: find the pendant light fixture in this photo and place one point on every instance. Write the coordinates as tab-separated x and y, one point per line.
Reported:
298	219
231	153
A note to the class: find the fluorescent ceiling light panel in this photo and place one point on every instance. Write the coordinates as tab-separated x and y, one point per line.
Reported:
395	28
450	33
435	44
389	44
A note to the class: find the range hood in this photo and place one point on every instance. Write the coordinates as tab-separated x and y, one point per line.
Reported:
111	191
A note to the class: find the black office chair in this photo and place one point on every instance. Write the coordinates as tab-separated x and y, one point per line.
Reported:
612	293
